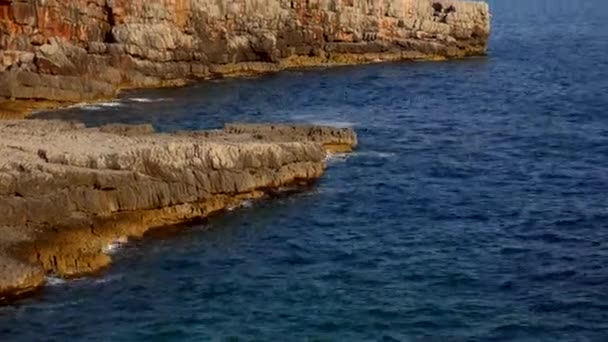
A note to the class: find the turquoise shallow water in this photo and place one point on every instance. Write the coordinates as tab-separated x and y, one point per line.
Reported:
474	210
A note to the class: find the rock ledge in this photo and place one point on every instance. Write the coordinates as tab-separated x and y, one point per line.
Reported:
67	191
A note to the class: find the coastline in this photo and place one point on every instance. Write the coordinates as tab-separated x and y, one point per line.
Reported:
78	251
64	204
25	108
68	191
119	45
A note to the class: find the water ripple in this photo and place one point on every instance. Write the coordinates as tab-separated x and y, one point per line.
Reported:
474	208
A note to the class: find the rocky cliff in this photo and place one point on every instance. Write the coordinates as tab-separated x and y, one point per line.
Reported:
81	50
67	192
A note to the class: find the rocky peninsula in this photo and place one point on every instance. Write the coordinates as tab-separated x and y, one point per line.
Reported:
67	191
54	53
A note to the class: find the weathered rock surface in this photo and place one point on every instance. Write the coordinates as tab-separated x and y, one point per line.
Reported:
67	192
56	51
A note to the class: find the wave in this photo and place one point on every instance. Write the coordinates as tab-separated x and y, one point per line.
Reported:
373	154
96	106
247	204
332	123
84	106
146	99
55	281
115	245
109	104
243	204
316	119
336	157
109	279
90	107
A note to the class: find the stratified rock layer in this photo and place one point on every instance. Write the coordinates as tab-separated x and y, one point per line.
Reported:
56	51
67	192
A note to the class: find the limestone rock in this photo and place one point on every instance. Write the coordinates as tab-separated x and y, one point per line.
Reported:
162	43
67	191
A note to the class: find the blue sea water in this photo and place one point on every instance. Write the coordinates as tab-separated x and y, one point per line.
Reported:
475	208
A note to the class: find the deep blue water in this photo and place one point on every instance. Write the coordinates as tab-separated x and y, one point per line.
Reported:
475	209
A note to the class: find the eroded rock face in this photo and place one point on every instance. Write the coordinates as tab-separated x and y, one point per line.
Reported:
67	191
85	50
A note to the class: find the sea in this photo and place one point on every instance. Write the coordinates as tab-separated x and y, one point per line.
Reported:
474	209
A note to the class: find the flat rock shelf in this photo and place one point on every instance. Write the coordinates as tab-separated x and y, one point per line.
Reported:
68	191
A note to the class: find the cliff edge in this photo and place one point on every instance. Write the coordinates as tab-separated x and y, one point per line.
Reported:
67	191
54	52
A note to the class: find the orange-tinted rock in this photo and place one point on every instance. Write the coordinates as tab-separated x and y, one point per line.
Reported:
166	42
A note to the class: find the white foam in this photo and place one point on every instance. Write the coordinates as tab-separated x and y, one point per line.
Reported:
146	99
109	279
373	154
244	204
55	281
316	119
90	107
336	157
115	245
332	123
97	106
110	104
341	157
84	106
77	105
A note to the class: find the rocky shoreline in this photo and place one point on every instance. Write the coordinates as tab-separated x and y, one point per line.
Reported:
67	191
56	53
